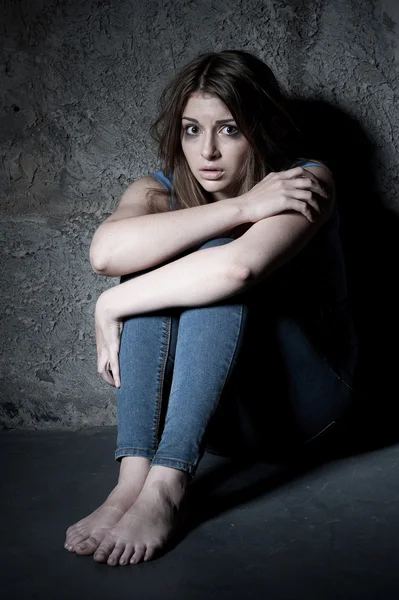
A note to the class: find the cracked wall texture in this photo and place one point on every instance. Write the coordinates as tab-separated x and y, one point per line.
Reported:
79	83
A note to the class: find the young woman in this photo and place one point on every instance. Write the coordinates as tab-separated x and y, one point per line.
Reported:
233	246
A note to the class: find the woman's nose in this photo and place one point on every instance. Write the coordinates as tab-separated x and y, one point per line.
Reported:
209	148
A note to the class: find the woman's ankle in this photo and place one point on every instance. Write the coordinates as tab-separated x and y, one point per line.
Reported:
170	482
133	468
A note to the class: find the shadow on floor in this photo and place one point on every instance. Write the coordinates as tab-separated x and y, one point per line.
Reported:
284	530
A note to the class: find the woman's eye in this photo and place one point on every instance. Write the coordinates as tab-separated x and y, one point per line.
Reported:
230	129
192	130
226	130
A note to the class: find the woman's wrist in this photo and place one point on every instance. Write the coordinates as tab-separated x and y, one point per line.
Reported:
240	204
107	302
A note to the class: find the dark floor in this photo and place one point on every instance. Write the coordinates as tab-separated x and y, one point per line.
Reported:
262	531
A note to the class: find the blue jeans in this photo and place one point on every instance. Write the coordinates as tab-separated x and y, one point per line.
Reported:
229	371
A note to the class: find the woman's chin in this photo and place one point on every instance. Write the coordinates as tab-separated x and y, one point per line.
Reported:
217	188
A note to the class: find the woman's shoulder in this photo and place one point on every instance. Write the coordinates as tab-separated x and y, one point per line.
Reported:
162	204
322	172
164	179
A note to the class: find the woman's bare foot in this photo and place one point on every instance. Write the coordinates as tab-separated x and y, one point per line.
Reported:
149	523
85	536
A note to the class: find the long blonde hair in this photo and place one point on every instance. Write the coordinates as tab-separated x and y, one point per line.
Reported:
249	89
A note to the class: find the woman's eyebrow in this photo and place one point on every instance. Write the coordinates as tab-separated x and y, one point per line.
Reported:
217	122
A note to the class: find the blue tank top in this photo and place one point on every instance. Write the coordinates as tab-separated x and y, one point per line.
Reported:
318	269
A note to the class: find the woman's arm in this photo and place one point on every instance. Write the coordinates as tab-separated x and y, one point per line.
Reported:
132	240
212	274
200	278
271	242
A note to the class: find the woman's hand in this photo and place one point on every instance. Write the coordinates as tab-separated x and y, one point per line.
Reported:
108	335
278	192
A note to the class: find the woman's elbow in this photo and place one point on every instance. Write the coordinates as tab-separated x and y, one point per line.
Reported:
98	261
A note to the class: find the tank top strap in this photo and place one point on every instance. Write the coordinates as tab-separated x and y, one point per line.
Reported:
165	181
304	162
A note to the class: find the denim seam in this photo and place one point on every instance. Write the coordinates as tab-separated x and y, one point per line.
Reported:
134	451
167	325
183	462
188	467
132	448
319	432
324	359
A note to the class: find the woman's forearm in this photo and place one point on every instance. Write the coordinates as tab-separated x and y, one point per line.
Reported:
138	243
200	278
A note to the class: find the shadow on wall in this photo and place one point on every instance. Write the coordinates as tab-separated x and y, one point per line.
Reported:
370	235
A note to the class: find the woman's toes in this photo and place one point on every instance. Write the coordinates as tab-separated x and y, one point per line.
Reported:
127	554
69	536
104	550
75	531
88	546
78	538
100	555
138	555
116	554
149	553
70	532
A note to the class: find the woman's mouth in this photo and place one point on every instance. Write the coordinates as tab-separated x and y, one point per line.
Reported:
211	173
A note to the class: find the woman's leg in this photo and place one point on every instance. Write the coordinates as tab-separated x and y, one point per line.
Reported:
203	344
320	374
143	359
145	363
298	380
208	343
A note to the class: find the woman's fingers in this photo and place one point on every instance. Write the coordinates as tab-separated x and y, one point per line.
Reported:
304	180
108	338
291	173
309	190
108	369
304	208
307	197
106	376
311	183
114	366
295	189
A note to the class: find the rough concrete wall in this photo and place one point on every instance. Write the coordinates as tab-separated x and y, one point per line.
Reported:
78	86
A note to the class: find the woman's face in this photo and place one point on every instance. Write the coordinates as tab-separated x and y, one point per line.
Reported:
213	146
